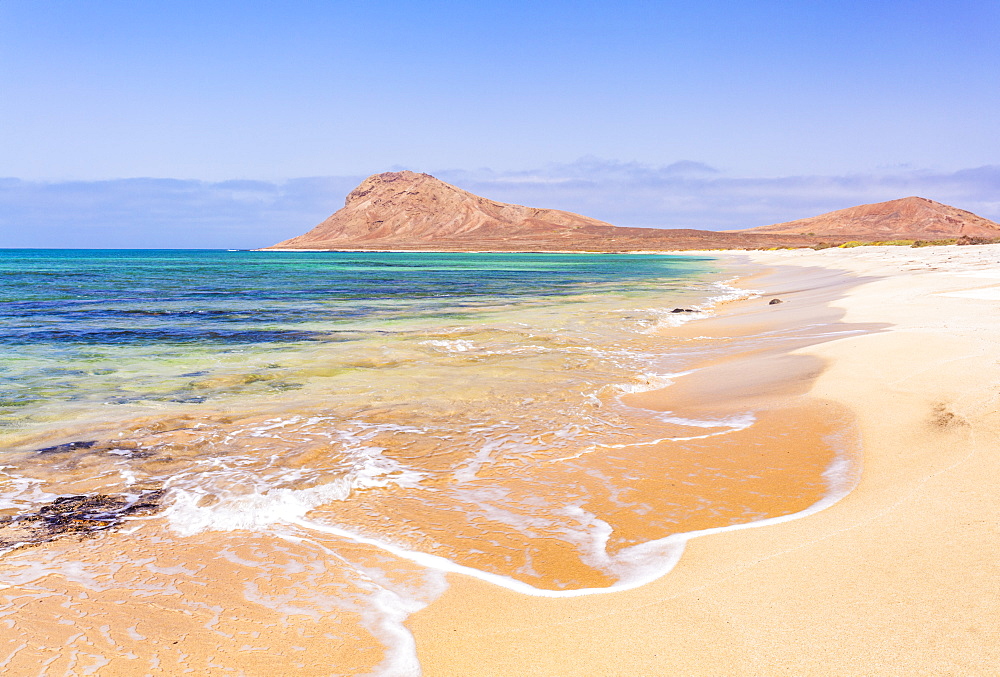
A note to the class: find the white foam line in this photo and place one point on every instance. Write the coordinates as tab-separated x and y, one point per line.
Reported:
446	565
653	381
401	647
736	422
667	551
622	445
647	443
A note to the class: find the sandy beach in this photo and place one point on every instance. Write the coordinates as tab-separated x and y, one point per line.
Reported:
896	578
868	380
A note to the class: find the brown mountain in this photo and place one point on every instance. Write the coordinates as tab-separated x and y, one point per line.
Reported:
407	210
407	207
411	211
910	218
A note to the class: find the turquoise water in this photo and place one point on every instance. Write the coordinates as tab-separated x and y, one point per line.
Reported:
96	328
339	429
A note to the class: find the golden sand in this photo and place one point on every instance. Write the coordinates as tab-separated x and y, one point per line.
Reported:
898	578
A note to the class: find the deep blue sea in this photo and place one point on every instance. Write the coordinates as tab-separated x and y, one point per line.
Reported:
123	297
97	327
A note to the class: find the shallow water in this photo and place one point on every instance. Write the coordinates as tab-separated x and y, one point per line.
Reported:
344	427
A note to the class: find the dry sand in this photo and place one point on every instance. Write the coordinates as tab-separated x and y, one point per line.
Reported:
898	578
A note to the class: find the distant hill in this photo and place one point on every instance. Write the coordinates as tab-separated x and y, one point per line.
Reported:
407	207
411	211
910	218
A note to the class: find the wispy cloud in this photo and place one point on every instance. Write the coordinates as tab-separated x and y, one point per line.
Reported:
164	213
182	213
695	195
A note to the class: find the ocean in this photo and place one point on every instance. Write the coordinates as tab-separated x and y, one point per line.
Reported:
302	444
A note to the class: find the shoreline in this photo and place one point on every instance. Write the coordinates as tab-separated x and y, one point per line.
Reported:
830	593
802	594
180	561
670	548
658	252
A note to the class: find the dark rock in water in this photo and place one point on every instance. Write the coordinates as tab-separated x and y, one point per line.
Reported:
148	502
80	515
69	446
683	310
774	302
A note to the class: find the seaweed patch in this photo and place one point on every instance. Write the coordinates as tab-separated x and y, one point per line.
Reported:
75	515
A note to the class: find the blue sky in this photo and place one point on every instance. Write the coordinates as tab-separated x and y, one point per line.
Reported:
237	124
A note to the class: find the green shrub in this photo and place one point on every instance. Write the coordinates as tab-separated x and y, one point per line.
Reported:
932	243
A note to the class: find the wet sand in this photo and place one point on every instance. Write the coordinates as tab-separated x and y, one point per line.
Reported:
159	594
897	578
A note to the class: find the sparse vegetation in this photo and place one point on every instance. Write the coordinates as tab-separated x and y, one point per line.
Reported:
931	243
902	243
965	239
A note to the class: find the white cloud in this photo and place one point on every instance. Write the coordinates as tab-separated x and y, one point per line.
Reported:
693	195
164	213
182	213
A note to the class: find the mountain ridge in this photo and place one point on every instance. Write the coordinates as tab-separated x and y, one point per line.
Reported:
905	218
410	211
410	206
